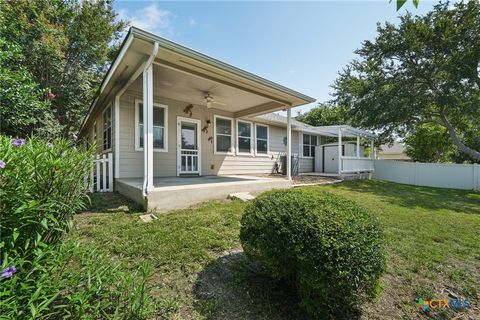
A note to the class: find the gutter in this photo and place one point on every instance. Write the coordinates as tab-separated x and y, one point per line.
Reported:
148	64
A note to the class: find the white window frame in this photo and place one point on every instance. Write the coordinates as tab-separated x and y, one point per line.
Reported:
268	140
137	126
252	138
301	145
103	129
232	126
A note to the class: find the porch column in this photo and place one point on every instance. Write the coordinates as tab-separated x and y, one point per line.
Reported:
339	151
289	144
148	128
372	149
358	146
358	154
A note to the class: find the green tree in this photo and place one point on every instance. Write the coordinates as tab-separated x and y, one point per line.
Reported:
325	114
66	47
423	70
22	106
429	143
400	3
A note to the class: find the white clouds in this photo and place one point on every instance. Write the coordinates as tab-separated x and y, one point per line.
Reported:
192	22
150	18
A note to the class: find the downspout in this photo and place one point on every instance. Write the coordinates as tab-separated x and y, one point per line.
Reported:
145	159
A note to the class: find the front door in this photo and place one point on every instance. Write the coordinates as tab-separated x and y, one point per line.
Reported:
188	146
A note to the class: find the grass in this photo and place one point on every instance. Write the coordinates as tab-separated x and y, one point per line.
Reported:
199	271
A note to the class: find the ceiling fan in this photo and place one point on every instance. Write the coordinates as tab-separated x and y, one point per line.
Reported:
210	100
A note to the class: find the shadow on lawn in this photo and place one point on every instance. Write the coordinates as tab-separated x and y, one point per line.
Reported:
232	287
111	203
466	201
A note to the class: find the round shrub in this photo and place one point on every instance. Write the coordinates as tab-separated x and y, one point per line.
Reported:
328	247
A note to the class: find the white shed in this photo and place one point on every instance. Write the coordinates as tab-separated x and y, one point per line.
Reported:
326	156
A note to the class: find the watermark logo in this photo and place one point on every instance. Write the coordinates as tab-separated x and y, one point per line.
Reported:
457	304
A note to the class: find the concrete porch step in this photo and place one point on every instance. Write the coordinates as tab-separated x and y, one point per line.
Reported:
244	196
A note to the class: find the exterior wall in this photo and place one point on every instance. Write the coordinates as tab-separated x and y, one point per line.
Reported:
440	175
131	161
98	119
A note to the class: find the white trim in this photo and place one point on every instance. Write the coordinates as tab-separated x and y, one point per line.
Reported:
252	139
289	144
199	143
117	137
103	128
232	127
137	125
268	140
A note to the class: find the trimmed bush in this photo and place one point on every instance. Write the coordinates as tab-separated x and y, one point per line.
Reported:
329	248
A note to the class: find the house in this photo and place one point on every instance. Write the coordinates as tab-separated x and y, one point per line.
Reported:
396	151
174	127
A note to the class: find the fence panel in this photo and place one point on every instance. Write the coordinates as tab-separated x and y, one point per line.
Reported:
101	174
441	175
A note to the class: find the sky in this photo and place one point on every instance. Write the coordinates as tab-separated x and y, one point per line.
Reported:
301	45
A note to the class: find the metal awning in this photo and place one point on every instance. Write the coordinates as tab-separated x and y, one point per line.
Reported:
347	131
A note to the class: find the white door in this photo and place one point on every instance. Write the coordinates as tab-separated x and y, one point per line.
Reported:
188	146
330	159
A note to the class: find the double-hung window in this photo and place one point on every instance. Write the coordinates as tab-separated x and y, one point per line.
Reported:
107	128
308	145
223	140
244	137
261	137
160	116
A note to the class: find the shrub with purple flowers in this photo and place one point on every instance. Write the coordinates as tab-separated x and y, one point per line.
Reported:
41	276
41	187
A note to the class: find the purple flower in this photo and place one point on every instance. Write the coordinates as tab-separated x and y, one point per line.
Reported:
74	137
18	142
2	164
8	272
50	145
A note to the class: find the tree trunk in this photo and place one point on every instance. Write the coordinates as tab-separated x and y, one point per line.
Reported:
461	147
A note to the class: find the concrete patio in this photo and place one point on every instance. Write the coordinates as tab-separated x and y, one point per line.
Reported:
171	193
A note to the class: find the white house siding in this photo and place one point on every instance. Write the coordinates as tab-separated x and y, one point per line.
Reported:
98	119
131	161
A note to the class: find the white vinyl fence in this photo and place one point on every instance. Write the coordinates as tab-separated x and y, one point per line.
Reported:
441	175
101	174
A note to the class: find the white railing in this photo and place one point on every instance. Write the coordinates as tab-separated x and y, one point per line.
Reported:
354	164
101	174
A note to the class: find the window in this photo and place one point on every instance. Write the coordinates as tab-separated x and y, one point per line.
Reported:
223	135
261	136
107	128
244	137
308	145
160	114
94	134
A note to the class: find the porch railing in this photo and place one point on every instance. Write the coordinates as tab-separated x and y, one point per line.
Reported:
354	164
100	178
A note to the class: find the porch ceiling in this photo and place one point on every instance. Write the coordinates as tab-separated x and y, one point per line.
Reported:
171	83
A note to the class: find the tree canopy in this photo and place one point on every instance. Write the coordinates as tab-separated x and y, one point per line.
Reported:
423	70
63	48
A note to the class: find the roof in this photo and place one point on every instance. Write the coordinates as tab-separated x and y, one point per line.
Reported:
138	44
330	131
395	148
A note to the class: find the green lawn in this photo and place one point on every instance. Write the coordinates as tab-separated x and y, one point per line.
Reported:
199	271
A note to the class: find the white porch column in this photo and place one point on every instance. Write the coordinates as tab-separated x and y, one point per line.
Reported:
148	128
358	146
339	151
289	144
372	149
